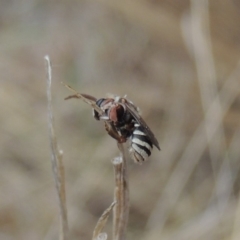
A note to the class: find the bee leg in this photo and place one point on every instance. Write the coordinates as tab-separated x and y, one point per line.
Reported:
111	130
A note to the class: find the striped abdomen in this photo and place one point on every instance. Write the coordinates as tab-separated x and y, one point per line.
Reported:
141	145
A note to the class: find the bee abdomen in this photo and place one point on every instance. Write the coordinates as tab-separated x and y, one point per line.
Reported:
141	146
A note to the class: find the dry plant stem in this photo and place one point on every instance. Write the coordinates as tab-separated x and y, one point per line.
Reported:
83	97
121	196
102	222
56	159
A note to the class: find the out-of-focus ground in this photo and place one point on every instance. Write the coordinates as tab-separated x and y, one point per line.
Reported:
177	60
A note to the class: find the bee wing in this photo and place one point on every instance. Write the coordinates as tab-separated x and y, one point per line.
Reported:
133	110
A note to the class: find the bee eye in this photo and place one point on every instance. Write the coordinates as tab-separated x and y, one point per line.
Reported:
120	112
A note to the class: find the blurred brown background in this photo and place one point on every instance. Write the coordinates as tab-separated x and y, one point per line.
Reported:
177	60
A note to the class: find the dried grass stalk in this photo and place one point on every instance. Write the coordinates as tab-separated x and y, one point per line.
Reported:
121	193
97	233
56	159
85	97
121	196
102	236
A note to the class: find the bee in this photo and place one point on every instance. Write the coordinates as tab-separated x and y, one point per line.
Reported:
125	120
122	122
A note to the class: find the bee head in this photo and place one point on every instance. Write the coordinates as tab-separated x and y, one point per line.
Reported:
116	112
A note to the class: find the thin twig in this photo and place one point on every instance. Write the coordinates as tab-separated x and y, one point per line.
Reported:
97	233
86	98
121	196
56	159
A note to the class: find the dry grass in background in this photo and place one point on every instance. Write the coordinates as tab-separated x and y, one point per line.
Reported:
177	60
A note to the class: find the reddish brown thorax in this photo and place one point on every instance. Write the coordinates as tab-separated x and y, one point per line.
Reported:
114	113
